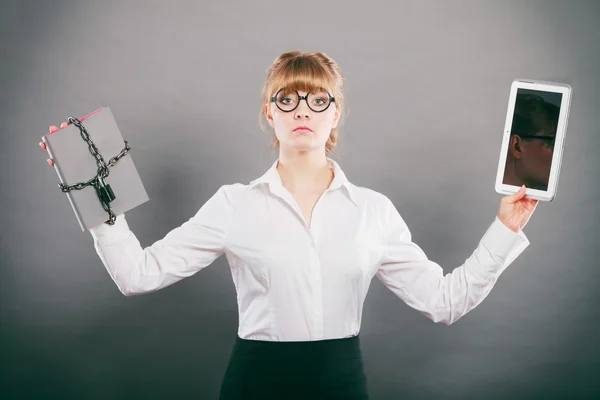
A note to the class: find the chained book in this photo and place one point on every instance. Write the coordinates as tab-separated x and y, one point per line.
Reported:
95	168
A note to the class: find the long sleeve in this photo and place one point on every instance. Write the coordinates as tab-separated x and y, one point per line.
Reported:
421	283
181	253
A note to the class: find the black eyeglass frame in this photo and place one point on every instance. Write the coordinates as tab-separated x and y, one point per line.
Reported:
550	138
300	98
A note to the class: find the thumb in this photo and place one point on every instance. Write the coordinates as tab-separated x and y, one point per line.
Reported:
513	198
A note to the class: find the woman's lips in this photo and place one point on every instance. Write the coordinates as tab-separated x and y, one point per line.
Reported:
302	130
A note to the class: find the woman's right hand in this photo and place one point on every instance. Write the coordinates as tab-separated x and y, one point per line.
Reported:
43	145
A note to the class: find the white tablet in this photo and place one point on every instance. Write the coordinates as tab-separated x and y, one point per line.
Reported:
533	138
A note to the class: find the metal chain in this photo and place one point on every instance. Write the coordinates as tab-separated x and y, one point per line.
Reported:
103	171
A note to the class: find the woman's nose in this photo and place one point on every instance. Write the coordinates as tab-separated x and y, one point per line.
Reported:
302	114
302	111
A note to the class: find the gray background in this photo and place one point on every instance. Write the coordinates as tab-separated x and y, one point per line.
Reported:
427	90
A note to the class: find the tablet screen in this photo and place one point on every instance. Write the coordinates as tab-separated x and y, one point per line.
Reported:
532	138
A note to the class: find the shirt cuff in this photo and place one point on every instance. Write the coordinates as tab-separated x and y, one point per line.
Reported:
106	233
504	243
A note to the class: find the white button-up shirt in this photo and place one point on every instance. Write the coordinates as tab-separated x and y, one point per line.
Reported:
300	281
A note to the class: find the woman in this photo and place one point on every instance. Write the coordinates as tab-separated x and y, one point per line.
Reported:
303	244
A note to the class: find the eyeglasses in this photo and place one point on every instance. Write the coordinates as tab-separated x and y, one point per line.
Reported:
550	139
289	101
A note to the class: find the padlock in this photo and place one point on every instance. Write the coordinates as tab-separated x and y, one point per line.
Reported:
104	191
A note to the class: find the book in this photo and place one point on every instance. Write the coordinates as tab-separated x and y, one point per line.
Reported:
74	163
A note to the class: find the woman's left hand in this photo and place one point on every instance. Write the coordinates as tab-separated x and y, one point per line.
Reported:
515	210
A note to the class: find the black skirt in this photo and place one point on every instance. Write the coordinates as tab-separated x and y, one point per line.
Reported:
323	369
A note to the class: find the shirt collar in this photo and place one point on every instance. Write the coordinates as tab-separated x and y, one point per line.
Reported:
273	179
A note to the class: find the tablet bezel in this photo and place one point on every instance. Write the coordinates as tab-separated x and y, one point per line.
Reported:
561	129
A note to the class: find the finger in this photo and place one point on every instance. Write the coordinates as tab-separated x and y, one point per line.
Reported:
519	194
53	128
43	145
64	124
510	199
50	162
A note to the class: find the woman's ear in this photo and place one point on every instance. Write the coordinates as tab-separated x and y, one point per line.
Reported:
514	147
268	115
336	118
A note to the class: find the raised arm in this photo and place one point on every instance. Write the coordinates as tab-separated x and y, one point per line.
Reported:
181	253
421	283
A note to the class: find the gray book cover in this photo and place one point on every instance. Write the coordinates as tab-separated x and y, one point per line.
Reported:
74	163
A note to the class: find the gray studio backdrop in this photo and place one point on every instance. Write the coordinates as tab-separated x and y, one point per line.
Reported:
427	87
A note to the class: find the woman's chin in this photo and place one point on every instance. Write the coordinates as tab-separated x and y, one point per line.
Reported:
303	145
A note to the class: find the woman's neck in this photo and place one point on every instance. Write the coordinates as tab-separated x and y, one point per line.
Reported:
304	172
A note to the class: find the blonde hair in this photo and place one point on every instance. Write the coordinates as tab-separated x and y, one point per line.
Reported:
304	72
